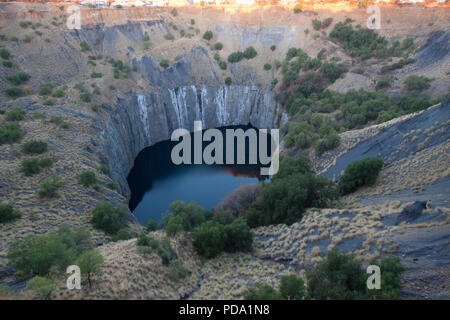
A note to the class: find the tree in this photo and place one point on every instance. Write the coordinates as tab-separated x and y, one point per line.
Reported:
8	213
417	83
152	225
42	287
90	263
209	239
250	53
208	35
238	236
292	287
15	114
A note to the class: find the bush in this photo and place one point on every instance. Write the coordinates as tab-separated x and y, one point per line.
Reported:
177	271
50	186
7	64
108	218
360	173
338	276
30	167
183	217
148	245
250	53
235	57
42	287
174	12
267	66
39	254
45	162
417	83
84	46
391	269
292	287
218	46
317	24
87	179
228	81
19	78
103	168
263	292
327	22
8	213
14	92
152	225
4	53
384	82
10	133
273	47
34	147
59	93
222	65
208	35
90	263
164	63
209	239
332	71
331	141
238	236
15	114
46	89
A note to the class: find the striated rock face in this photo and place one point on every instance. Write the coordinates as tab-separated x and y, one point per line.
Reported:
143	119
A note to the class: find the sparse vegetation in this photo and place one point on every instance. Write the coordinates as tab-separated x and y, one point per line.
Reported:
417	83
15	114
34	147
50	186
10	133
8	213
87	179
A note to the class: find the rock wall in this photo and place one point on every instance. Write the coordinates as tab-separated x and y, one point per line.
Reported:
143	119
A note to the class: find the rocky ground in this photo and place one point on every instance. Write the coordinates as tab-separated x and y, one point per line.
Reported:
368	223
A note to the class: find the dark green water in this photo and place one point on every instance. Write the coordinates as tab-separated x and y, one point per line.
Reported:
155	182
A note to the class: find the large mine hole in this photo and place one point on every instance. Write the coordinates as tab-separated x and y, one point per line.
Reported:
155	182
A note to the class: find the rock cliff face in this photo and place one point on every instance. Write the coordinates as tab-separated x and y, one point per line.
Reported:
143	119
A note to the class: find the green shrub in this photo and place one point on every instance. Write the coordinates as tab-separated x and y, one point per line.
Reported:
417	83
96	75
250	53
238	236
42	287
183	217
84	46
208	35
148	245
222	65
273	83
338	276
10	133
7	64
228	81
14	92
39	254
34	147
19	78
317	24
30	167
8	213
45	162
145	37
391	269
87	179
174	12
112	87
48	102
46	89
332	71
330	142
177	271
86	97
384	82
164	63
109	218
24	24
113	185
209	239
262	292
58	93
360	173
292	287
15	114
152	225
90	263
50	186
4	53
273	47
326	23
122	234
267	66
218	46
